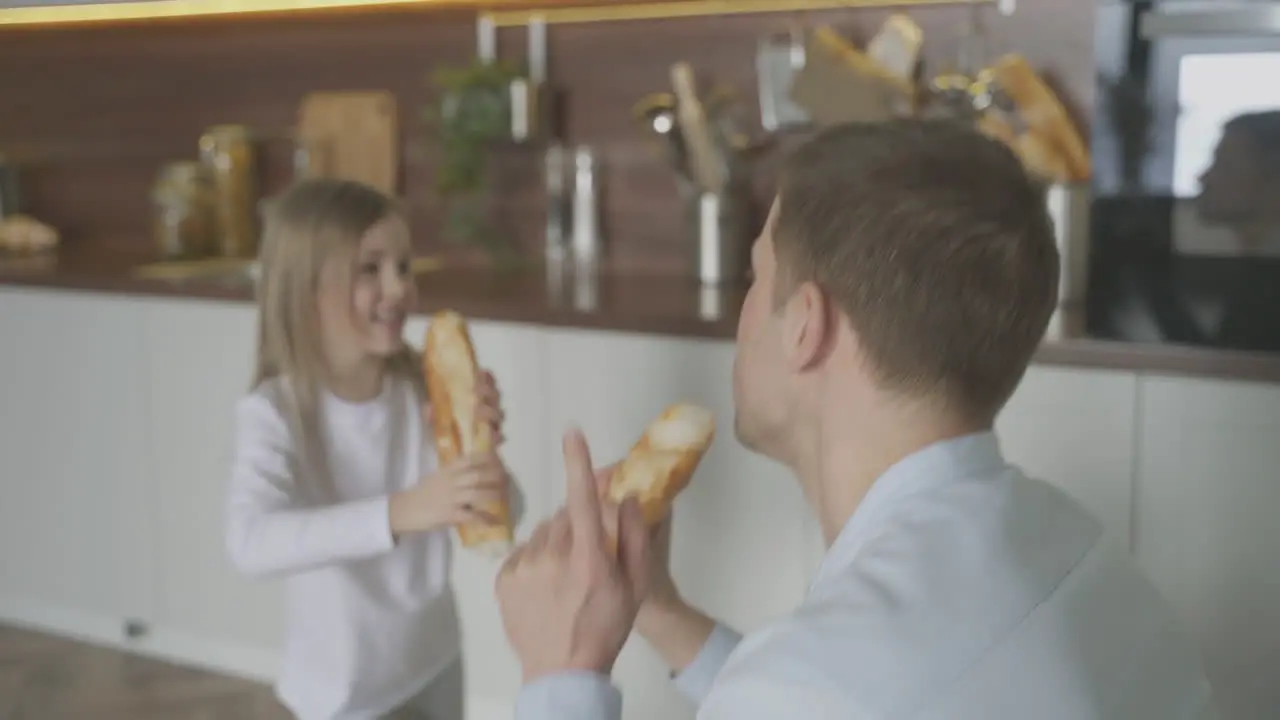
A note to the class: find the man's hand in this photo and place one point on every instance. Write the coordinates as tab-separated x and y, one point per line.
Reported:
567	602
675	629
662	587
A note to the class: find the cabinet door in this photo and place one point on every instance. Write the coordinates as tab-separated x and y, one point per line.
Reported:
740	528
1076	429
75	515
1208	493
516	355
199	363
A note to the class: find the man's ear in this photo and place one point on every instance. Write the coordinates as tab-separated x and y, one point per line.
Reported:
807	327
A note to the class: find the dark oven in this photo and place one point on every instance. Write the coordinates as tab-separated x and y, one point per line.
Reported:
1186	211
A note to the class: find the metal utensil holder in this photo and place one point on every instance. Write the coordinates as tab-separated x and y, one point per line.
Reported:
721	229
1069	207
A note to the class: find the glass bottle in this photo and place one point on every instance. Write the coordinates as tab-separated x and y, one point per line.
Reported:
227	152
184	221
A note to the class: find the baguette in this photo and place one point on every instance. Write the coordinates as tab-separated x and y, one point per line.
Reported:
1043	113
1040	157
661	464
451	372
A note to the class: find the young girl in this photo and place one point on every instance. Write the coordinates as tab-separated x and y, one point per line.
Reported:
334	482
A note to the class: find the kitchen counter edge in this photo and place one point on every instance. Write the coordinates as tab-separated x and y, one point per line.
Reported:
649	305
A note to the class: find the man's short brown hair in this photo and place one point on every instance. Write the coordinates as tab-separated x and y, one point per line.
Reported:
937	245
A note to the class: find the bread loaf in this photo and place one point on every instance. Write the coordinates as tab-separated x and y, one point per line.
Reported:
661	464
1044	117
1040	157
449	365
24	234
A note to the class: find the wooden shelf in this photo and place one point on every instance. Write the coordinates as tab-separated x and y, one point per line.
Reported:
621	10
505	13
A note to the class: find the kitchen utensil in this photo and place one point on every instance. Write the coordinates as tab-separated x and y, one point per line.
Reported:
486	38
555	169
528	93
587	241
228	155
707	164
354	136
778	59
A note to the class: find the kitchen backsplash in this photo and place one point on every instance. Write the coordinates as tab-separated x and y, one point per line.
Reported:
92	113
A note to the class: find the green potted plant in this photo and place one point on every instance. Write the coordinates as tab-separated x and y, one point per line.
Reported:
472	113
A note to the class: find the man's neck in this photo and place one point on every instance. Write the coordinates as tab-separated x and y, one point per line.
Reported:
849	451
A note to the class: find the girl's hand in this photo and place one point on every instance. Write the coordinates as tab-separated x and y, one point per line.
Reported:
488	407
450	497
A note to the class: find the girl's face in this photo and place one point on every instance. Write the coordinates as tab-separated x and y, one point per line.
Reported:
363	301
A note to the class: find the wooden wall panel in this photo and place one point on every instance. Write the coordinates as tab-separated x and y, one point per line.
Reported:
93	112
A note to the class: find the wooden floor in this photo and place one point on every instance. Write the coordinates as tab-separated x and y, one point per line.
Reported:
43	677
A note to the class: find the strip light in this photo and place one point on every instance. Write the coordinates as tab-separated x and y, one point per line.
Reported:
630	10
170	9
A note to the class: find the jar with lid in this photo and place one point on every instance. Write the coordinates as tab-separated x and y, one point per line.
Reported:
228	153
183	211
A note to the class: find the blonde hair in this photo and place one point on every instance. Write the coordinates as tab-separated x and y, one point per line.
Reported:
305	227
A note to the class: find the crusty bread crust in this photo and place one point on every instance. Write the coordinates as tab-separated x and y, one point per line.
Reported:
1044	114
662	462
451	371
1040	157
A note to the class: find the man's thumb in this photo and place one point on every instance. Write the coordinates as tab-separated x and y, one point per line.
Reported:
633	546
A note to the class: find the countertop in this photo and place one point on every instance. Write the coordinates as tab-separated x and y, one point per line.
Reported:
628	303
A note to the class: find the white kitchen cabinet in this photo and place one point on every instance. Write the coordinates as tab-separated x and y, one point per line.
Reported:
115	441
199	363
1076	429
1207	498
75	550
516	355
739	528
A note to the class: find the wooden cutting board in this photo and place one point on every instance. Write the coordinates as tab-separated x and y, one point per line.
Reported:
352	135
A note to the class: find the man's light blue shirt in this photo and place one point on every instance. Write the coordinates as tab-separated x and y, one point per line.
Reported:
959	590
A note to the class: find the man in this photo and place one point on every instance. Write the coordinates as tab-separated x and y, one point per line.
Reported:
904	279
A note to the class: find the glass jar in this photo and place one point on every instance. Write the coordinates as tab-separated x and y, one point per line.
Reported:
183	211
227	152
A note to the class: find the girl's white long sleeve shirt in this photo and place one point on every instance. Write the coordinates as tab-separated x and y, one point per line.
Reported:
371	619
